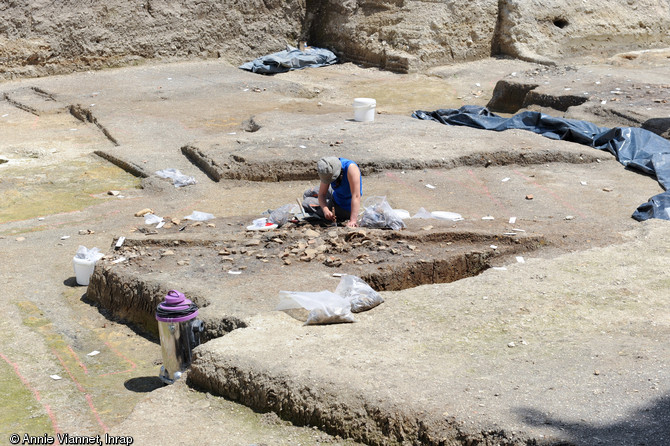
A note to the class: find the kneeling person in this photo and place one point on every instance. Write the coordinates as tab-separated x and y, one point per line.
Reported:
339	194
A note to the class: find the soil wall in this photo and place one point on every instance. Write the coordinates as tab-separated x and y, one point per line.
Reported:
43	37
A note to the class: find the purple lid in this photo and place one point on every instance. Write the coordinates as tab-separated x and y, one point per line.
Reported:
176	308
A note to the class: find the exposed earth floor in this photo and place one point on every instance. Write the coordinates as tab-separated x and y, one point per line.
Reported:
539	318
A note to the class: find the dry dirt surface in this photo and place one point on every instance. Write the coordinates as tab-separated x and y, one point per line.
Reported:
537	319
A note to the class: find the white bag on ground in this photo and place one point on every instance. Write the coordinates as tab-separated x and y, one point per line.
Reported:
423	213
151	219
178	178
324	307
199	216
361	295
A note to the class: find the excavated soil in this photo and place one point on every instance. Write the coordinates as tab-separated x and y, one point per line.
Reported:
564	198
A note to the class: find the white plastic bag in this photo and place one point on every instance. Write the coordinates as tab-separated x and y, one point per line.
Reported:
151	219
178	179
199	216
423	213
91	255
360	295
324	307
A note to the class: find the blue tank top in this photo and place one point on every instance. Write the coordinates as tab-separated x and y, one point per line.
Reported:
342	193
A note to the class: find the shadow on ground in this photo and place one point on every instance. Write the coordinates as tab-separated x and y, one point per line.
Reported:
648	426
143	384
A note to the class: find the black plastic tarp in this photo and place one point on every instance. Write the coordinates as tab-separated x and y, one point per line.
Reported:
633	147
290	59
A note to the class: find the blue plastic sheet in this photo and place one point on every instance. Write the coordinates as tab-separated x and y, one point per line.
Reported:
633	147
290	59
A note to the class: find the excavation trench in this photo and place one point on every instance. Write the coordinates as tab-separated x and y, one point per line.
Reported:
232	276
218	165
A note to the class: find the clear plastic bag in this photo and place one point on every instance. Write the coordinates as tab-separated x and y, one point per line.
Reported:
91	255
379	214
199	216
360	295
281	215
178	178
151	219
423	213
323	307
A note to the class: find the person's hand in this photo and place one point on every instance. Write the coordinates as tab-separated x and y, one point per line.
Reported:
352	224
328	214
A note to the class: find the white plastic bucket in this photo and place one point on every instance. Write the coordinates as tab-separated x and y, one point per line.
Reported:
83	269
364	109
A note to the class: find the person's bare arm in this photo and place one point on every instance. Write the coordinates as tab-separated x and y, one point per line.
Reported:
323	190
354	177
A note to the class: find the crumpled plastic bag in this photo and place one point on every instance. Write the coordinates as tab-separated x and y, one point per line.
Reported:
423	213
151	219
322	307
91	255
352	295
199	216
361	295
178	178
378	213
281	215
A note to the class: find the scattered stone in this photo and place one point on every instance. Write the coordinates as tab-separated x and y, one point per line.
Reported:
332	233
569	217
529	197
311	233
607	189
20	239
427	228
224	252
86	232
184	262
511	345
333	261
175	221
253	242
287	261
143	212
278	240
113	192
197	223
167	252
211	225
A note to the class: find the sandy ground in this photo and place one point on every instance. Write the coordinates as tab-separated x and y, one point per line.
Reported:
55	199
